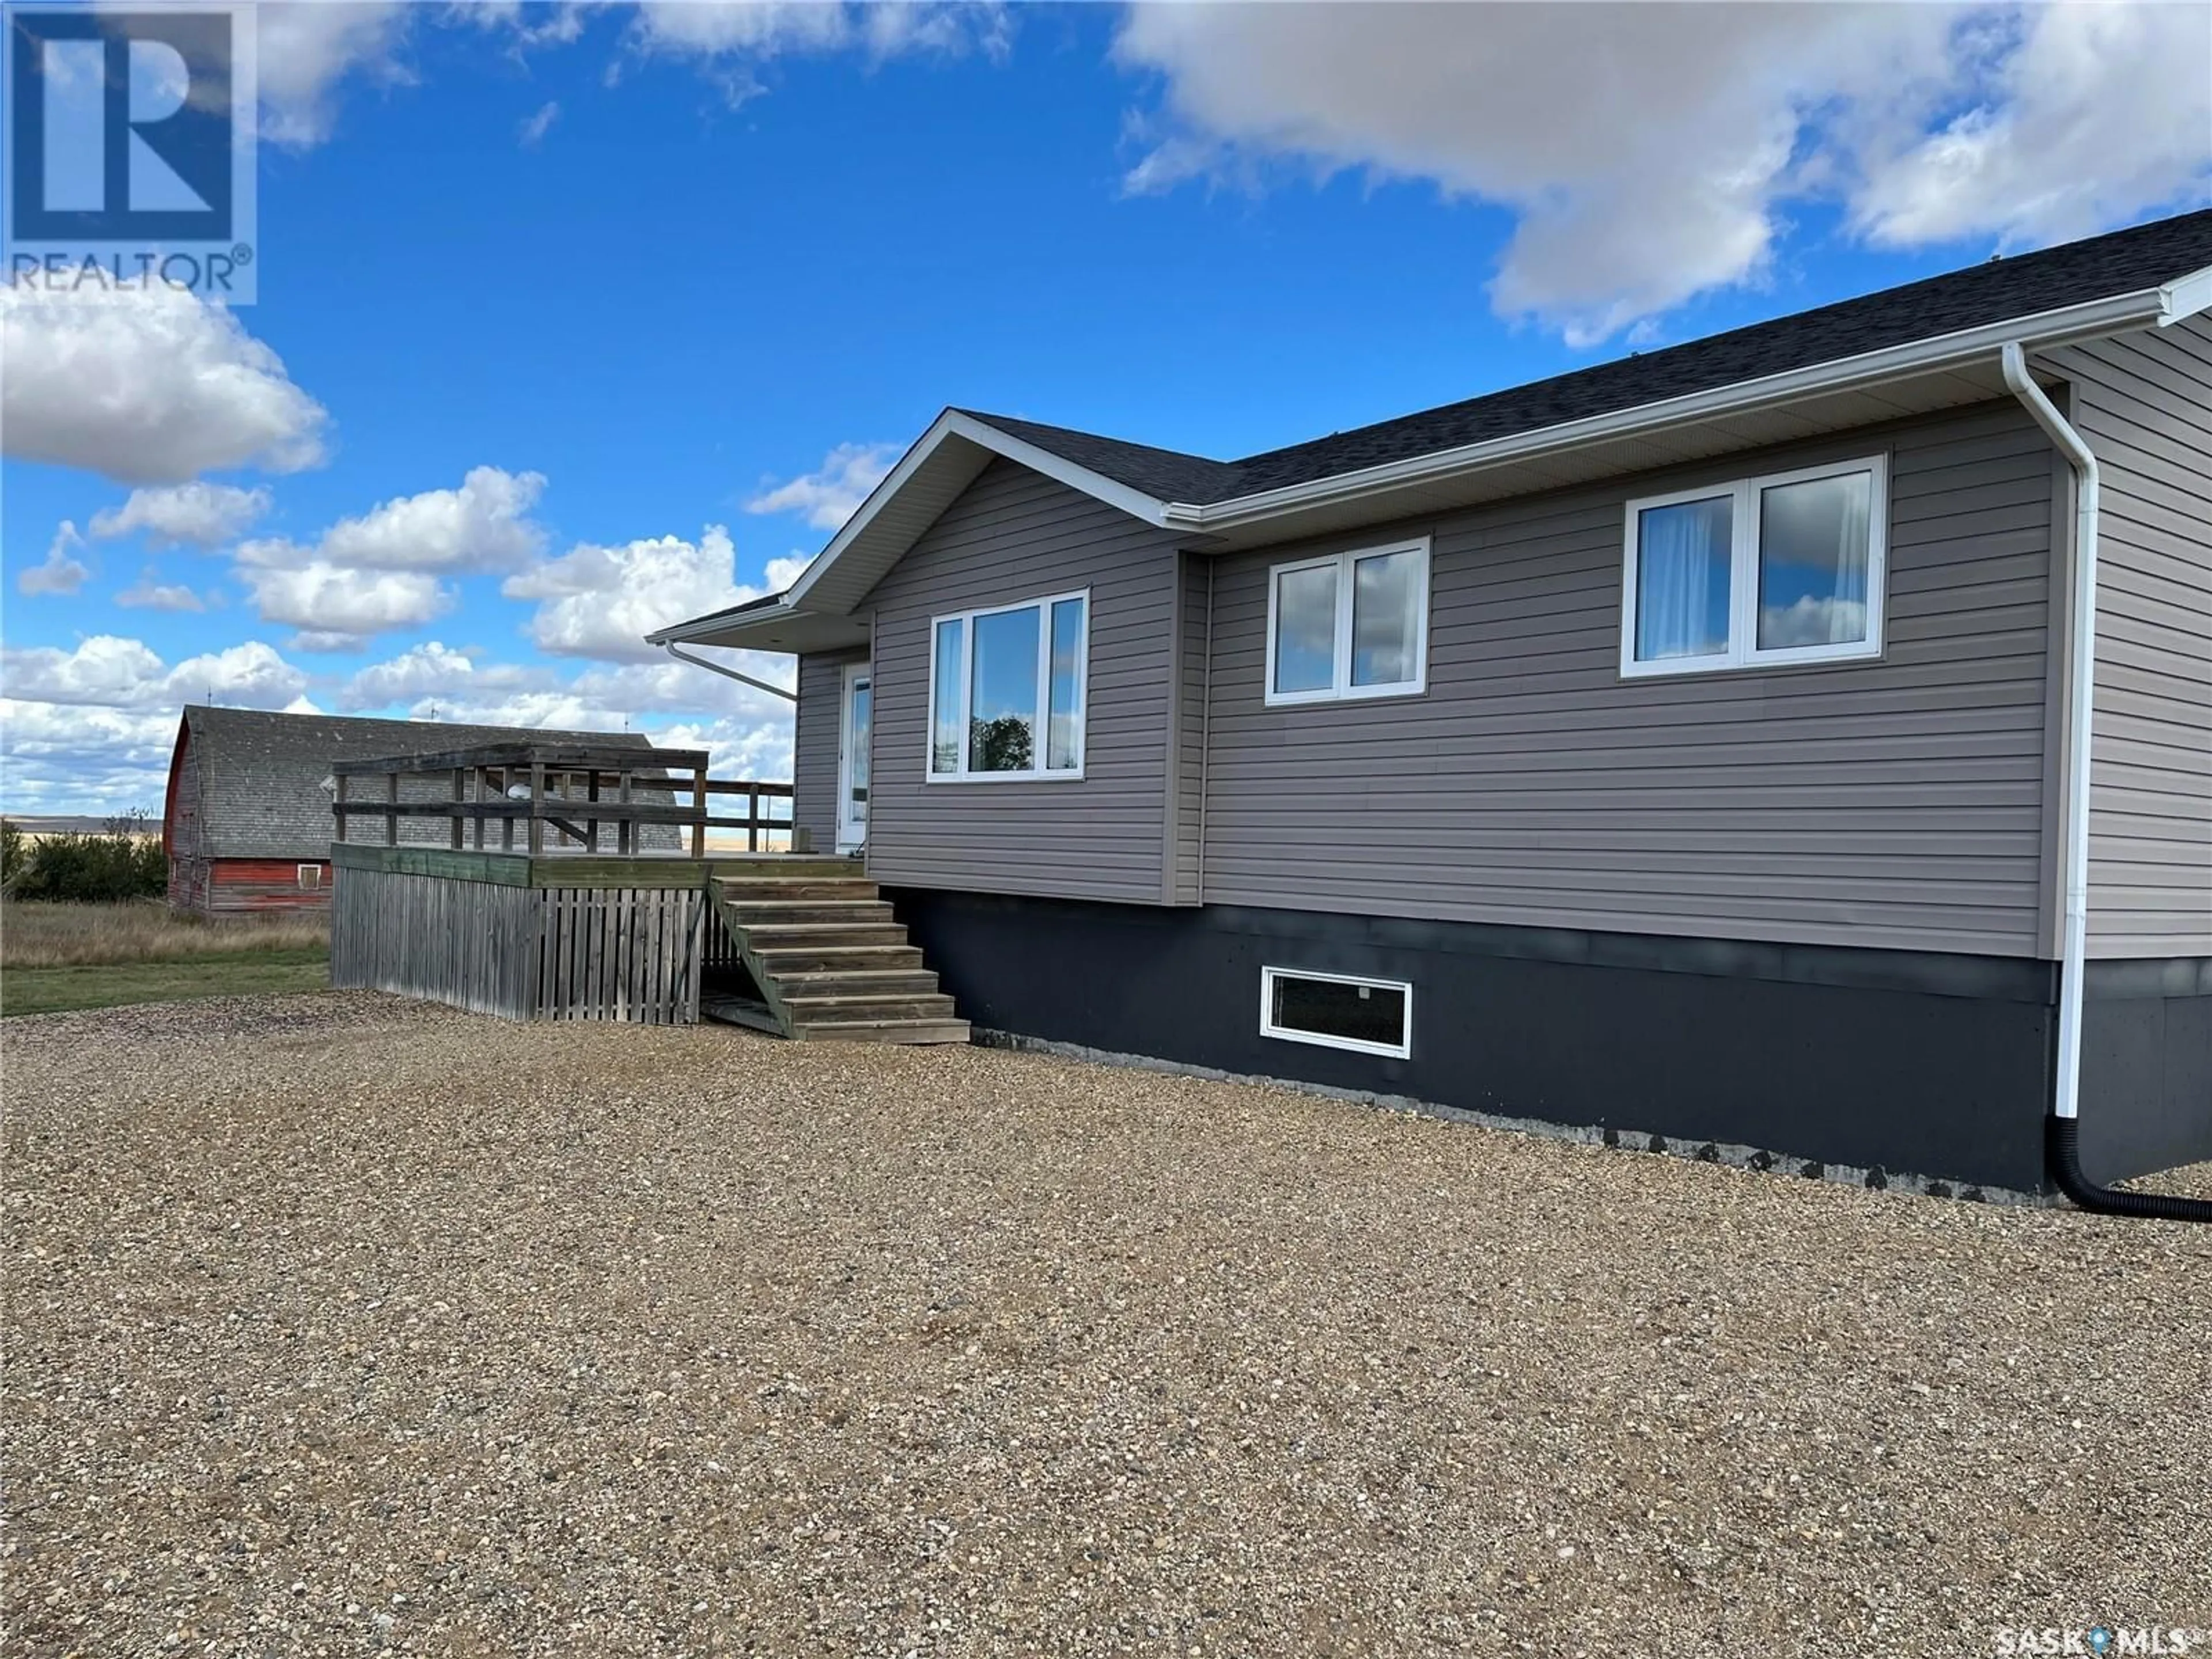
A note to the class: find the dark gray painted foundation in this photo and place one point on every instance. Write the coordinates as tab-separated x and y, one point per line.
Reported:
1911	1064
2146	1066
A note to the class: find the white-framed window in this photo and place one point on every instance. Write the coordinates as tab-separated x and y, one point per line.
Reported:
311	876
1785	568
1008	691
1352	624
1337	1011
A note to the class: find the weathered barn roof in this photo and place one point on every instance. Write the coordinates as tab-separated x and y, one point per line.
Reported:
261	775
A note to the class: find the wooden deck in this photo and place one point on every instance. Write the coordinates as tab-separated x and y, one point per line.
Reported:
658	933
797	943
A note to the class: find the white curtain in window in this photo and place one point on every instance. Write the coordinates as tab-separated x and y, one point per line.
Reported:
1681	580
1853	536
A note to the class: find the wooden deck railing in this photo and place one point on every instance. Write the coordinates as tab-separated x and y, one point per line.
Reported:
565	795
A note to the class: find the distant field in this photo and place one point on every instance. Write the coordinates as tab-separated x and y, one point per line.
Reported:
54	957
38	828
112	985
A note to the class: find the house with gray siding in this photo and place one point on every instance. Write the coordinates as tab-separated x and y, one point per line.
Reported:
1795	743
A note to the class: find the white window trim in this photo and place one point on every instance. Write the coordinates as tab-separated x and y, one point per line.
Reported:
967	620
1402	1050
1341	688
1744	650
304	871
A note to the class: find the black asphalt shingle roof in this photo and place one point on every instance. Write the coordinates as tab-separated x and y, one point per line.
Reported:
2123	262
261	775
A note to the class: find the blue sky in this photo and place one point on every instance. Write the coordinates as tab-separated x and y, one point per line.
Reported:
573	320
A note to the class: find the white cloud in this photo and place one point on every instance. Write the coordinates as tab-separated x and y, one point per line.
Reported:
62	573
370	574
533	130
63	759
106	672
828	494
483	525
602	601
734	36
1651	152
436	671
149	592
307	47
154	387
336	607
748	733
328	639
193	514
2099	112
1810	620
755	749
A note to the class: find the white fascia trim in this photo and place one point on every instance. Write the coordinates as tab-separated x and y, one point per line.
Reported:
953	424
1970	346
2185	296
664	637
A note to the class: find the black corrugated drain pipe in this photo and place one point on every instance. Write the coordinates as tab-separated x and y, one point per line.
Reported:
2063	1153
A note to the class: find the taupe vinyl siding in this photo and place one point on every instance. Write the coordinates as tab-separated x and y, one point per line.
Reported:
814	740
1014	535
2144	403
1896	803
1188	778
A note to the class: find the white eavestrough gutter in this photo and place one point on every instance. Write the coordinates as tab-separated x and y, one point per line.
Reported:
2081	708
682	656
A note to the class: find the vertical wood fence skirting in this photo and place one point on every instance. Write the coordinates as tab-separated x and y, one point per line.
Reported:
619	953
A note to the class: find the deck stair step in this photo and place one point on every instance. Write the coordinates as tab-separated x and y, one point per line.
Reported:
860	982
751	890
772	937
846	1011
889	1030
760	912
832	960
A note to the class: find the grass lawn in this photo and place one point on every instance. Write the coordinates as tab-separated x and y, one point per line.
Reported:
108	985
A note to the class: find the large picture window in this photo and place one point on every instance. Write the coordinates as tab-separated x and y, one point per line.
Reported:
1349	625
1006	691
1784	568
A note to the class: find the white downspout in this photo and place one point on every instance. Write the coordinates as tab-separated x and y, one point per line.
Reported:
2081	706
682	656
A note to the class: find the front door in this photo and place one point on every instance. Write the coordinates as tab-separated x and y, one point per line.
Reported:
853	760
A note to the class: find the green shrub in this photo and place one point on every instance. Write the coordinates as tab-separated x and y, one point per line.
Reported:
85	869
14	853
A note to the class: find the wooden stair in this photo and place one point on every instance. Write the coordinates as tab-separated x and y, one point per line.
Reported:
832	962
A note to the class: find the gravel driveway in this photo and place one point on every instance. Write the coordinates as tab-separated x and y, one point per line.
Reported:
337	1324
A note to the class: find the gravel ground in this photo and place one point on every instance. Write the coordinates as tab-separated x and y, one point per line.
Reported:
342	1325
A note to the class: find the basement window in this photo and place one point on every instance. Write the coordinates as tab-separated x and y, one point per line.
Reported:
1337	1011
311	876
1761	572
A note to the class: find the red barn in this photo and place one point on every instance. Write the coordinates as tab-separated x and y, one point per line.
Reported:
247	823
